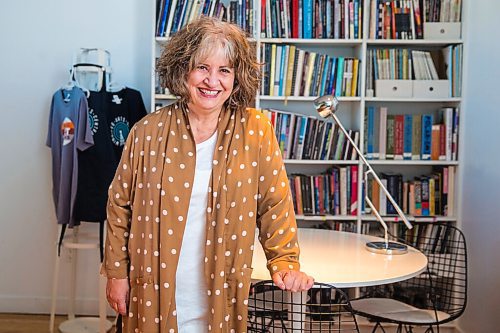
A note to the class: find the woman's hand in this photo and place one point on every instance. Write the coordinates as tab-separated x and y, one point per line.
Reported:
117	292
293	280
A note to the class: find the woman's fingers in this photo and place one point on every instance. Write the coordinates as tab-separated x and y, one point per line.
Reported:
117	291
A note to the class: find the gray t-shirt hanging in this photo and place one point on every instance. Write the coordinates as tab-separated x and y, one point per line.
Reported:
69	130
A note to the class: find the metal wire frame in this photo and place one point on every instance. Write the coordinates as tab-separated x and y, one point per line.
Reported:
440	291
323	308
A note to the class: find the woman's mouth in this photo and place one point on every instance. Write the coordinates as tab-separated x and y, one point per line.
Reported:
208	92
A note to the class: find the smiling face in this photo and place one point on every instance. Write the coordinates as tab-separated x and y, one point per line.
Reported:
210	83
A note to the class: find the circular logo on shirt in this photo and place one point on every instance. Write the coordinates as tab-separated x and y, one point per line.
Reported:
119	130
93	121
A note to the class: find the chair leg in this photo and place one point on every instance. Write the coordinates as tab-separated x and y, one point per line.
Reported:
378	324
431	330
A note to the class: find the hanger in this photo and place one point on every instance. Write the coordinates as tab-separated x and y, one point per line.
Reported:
72	82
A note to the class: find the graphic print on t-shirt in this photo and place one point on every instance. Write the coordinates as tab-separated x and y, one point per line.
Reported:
119	130
93	121
67	131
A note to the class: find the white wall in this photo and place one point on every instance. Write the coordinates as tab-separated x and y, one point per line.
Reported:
37	42
481	160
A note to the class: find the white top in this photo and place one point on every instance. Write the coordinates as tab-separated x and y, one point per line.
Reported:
341	259
191	290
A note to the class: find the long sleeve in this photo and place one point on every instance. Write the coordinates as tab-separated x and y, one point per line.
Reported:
119	213
276	217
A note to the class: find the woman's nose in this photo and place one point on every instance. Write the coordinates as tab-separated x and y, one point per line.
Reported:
211	78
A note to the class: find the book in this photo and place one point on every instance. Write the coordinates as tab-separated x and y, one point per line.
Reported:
398	136
390	137
426	137
435	142
407	137
354	190
307	18
370	132
416	135
272	73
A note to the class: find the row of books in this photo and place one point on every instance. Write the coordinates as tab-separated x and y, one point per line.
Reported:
427	195
426	233
172	15
334	192
412	136
290	71
405	64
391	64
396	19
339	19
346	226
308	138
408	64
443	10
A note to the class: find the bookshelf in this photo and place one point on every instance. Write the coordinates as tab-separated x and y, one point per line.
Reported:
353	108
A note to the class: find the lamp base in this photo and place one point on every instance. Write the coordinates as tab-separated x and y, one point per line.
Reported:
386	248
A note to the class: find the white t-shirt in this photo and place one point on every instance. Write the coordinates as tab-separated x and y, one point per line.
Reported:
191	291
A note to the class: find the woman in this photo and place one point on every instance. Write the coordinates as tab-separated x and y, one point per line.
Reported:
195	180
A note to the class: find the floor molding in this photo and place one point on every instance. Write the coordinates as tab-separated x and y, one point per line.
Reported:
37	305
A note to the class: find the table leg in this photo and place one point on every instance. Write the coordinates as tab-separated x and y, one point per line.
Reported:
297	310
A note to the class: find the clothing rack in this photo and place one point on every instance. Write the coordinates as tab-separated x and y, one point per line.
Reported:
87	60
74	242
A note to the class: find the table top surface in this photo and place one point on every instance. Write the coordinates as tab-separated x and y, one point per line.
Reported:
341	259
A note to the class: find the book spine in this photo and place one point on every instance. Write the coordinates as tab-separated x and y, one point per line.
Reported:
307	18
426	136
425	197
416	142
454	154
398	137
418	197
408	129
273	68
436	144
448	123
354	190
390	137
340	76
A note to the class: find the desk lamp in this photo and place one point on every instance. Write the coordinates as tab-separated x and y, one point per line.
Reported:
326	106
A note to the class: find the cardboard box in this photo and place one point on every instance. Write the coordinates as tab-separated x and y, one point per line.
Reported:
431	88
442	30
393	88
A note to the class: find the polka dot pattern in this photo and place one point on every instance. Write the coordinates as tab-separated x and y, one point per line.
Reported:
148	210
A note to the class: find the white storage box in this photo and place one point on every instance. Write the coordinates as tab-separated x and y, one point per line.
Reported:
431	88
393	88
442	30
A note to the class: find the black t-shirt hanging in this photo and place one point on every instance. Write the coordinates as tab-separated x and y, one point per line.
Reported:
111	115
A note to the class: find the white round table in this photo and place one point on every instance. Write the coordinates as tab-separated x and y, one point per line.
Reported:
341	259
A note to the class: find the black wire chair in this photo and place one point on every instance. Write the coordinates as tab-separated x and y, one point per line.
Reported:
436	296
323	308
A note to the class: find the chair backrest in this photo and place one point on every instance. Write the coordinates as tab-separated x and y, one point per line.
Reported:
445	248
443	286
323	308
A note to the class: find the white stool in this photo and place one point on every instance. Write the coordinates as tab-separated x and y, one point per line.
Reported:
81	324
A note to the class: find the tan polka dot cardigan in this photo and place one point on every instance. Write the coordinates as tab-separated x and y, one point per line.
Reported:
147	210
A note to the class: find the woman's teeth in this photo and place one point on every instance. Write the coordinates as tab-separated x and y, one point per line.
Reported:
209	92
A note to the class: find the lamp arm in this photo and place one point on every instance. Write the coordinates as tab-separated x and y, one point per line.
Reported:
370	170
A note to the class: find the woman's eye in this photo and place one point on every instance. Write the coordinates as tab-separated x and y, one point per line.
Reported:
202	67
225	70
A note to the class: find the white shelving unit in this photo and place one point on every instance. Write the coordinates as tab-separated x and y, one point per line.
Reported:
352	109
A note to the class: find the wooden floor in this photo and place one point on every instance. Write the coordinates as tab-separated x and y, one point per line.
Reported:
23	323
